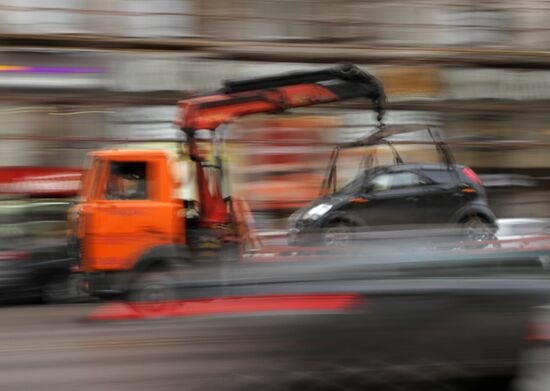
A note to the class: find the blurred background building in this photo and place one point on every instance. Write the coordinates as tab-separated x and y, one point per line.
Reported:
77	75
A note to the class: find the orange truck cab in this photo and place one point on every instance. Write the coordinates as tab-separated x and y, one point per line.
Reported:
130	220
131	223
128	214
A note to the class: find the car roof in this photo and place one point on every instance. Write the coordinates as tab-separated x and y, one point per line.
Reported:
414	167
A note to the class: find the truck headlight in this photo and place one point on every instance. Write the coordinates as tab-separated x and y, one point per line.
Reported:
317	211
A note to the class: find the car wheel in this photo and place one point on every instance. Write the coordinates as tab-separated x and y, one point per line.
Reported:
154	292
338	235
478	229
55	290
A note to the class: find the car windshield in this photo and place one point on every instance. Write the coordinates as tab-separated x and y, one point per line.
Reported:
353	186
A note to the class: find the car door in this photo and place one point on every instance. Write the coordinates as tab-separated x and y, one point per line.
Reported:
441	197
393	199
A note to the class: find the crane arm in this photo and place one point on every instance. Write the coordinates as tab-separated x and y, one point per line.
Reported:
278	93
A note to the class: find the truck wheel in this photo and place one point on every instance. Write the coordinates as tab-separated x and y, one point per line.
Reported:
154	292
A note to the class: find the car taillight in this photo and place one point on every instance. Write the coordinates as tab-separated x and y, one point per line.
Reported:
470	174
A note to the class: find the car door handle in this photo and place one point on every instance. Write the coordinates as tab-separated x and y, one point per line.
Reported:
412	199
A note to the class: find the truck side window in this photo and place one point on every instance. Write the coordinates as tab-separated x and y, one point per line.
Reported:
127	181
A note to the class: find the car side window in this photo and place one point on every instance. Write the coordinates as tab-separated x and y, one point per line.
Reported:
404	180
399	180
127	181
380	183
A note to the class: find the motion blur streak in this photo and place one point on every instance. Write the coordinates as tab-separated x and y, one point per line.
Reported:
538	332
302	248
228	305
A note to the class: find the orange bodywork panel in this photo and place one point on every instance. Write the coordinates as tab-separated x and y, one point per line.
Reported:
115	233
209	112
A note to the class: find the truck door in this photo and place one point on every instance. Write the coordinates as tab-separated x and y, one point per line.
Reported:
130	216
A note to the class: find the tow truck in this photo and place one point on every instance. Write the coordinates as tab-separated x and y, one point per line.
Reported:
133	234
131	231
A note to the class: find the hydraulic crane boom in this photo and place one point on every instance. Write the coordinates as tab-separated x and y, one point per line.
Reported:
278	93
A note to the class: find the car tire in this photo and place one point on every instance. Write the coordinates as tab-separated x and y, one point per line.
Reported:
478	229
338	234
55	289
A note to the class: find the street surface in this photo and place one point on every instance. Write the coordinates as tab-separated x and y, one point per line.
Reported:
56	348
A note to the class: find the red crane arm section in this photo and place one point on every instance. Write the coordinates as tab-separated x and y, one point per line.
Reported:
278	93
209	112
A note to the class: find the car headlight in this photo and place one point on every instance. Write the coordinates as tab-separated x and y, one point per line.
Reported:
317	211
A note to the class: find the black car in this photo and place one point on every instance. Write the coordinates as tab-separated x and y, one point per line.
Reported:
38	274
33	256
395	197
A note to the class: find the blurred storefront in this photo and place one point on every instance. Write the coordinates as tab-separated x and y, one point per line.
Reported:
82	75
